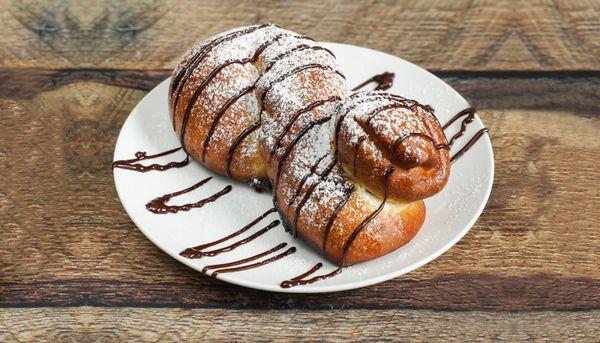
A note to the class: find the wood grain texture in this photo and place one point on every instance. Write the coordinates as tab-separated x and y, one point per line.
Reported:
439	35
66	240
71	71
175	325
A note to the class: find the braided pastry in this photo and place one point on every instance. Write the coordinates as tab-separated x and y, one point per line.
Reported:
267	106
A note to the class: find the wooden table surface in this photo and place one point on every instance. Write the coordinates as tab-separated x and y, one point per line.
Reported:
74	267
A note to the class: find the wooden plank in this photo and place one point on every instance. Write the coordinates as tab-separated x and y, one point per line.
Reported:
152	325
439	35
453	291
67	241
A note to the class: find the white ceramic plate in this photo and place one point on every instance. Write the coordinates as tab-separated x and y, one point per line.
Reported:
450	214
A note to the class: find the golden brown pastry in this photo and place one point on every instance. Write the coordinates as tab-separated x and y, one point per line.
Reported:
267	106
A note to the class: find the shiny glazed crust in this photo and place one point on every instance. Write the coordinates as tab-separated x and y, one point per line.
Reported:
264	103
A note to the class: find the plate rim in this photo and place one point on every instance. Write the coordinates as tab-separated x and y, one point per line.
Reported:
327	288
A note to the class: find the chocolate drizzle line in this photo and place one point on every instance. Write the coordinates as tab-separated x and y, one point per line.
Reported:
220	114
384	81
196	252
336	211
470	116
311	172
469	144
142	155
469	112
370	217
356	146
257	264
309	192
308	272
238	140
242	261
298	282
291	51
159	205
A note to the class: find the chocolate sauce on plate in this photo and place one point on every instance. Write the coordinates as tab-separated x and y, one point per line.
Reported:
384	81
159	205
200	250
469	114
244	260
469	144
257	264
132	164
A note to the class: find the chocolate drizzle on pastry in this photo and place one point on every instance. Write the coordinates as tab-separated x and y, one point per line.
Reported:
159	205
309	193
291	51
187	70
238	140
322	177
300	280
220	114
311	172
181	77
142	155
370	217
